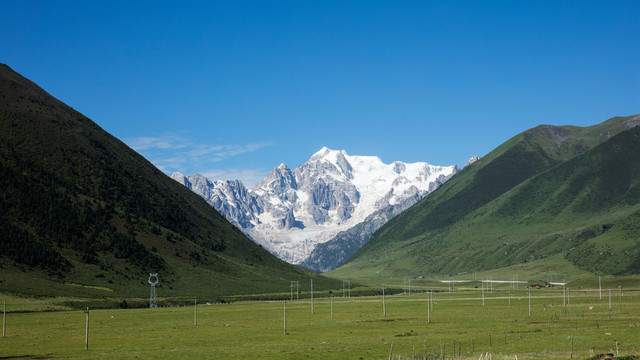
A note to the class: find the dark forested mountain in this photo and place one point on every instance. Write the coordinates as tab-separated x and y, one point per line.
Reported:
550	190
79	207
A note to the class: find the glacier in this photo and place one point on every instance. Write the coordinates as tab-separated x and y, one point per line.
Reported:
290	212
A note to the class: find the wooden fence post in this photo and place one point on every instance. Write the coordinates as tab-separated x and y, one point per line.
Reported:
86	332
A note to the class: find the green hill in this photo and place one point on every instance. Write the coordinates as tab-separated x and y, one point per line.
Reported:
82	214
550	190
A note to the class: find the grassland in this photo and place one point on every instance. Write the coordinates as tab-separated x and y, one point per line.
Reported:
358	330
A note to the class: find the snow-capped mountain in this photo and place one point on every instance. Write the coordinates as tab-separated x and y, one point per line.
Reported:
291	212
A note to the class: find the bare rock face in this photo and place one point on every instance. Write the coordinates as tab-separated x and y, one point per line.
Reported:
291	212
230	198
472	160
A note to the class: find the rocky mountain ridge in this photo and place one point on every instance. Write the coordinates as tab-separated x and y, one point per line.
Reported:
290	212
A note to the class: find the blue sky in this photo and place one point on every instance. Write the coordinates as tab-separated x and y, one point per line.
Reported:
232	89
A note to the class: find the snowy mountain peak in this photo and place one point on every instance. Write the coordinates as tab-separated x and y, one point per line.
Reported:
290	212
322	152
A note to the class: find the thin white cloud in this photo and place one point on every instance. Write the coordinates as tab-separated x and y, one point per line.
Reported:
172	152
215	153
166	141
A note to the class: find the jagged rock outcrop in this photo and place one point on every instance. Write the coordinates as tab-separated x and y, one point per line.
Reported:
291	212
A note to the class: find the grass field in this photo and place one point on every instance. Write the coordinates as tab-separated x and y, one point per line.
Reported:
248	330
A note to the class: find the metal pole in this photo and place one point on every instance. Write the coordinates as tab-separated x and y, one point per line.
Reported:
312	296
529	302
483	293
4	320
609	299
600	286
428	312
285	317
509	297
564	296
195	311
620	297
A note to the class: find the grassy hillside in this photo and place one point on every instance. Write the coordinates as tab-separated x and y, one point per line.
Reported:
550	190
82	213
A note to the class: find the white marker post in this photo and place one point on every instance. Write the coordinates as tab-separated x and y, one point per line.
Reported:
195	312
285	317
600	286
529	302
620	297
331	306
483	293
384	307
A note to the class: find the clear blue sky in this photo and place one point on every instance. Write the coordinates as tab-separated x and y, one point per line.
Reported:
231	89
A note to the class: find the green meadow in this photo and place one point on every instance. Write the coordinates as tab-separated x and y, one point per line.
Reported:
578	323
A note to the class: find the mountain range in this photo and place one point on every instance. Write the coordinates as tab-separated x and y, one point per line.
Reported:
293	212
562	195
82	214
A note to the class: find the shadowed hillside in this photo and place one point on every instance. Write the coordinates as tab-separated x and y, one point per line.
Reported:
79	207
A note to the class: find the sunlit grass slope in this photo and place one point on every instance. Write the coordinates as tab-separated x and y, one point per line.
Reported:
548	191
